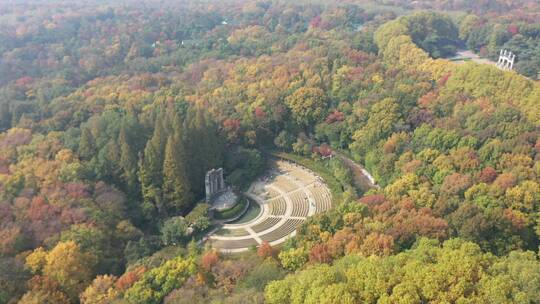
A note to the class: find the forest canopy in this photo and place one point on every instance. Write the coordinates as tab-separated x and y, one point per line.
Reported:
111	113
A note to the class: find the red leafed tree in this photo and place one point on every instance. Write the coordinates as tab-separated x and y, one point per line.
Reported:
231	128
129	278
209	260
456	183
444	79
259	113
408	224
323	150
513	29
315	22
377	244
505	181
265	250
373	199
76	190
24	81
320	254
335	117
427	99
338	242
516	218
488	175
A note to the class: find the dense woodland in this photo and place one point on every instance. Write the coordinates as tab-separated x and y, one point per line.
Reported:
112	112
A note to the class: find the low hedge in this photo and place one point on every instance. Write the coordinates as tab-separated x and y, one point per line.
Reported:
231	212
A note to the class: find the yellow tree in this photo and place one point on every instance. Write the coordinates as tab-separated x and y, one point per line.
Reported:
101	291
70	267
307	105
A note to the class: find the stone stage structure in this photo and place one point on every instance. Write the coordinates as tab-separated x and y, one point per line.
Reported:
217	194
214	183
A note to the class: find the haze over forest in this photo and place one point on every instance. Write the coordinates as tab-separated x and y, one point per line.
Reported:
373	151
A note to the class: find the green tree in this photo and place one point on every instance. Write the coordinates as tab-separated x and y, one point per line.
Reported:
101	291
383	118
293	259
87	145
70	267
151	172
176	187
308	105
387	32
454	272
174	231
160	281
262	274
198	218
128	163
5	116
203	147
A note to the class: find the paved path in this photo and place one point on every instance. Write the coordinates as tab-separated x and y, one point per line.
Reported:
362	178
461	57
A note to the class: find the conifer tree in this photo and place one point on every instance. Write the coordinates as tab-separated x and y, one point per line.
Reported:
87	145
159	137
149	177
176	188
106	163
152	162
148	191
128	163
204	149
151	172
5	116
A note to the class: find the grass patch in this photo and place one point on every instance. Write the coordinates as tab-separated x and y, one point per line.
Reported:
252	212
231	212
319	167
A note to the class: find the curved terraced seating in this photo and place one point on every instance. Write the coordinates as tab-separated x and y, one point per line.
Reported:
267	223
232	232
300	205
284	166
282	231
277	206
322	198
302	176
286	193
284	184
270	194
233	244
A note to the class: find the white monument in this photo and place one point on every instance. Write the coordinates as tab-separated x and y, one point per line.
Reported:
214	183
217	194
506	60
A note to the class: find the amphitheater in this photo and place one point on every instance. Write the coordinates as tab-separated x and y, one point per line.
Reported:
287	195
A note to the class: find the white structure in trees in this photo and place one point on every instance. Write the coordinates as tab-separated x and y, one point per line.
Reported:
214	183
506	60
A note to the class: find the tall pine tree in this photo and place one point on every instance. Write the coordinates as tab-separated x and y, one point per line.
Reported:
151	172
176	186
150	193
5	116
87	145
204	148
128	164
154	154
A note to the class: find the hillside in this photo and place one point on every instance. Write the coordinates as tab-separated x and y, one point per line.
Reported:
112	113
